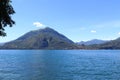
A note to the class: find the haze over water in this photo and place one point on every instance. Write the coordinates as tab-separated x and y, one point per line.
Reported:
59	65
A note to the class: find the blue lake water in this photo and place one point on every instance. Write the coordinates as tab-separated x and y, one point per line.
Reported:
59	65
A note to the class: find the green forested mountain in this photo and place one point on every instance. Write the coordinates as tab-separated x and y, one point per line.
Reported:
48	38
41	39
113	44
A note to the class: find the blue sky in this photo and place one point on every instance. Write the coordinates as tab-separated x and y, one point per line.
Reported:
77	19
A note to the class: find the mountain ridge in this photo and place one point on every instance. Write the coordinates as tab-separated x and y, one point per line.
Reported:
49	38
91	42
46	38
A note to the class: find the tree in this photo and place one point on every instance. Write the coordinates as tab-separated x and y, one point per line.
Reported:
6	10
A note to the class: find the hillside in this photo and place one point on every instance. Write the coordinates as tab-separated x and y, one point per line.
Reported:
91	42
113	44
41	39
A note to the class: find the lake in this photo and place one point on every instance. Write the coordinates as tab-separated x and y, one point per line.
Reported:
59	65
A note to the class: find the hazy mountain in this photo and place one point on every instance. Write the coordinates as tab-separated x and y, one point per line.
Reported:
41	39
1	44
91	42
113	44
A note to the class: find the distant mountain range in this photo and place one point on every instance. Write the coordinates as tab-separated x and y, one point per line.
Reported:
113	44
91	42
41	39
48	38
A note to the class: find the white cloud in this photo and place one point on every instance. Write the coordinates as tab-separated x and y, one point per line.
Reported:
119	33
93	31
38	24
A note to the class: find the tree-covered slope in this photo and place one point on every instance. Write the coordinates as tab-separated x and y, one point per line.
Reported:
113	44
41	39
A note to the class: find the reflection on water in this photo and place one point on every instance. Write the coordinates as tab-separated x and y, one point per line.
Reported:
59	65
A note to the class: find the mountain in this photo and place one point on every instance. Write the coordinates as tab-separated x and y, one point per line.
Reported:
91	42
113	44
46	38
1	44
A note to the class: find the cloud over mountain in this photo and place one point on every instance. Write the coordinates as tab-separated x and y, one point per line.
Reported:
39	24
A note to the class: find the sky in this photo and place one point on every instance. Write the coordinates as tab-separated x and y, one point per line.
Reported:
79	20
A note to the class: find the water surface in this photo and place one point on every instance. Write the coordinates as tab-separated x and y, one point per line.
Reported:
59	65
